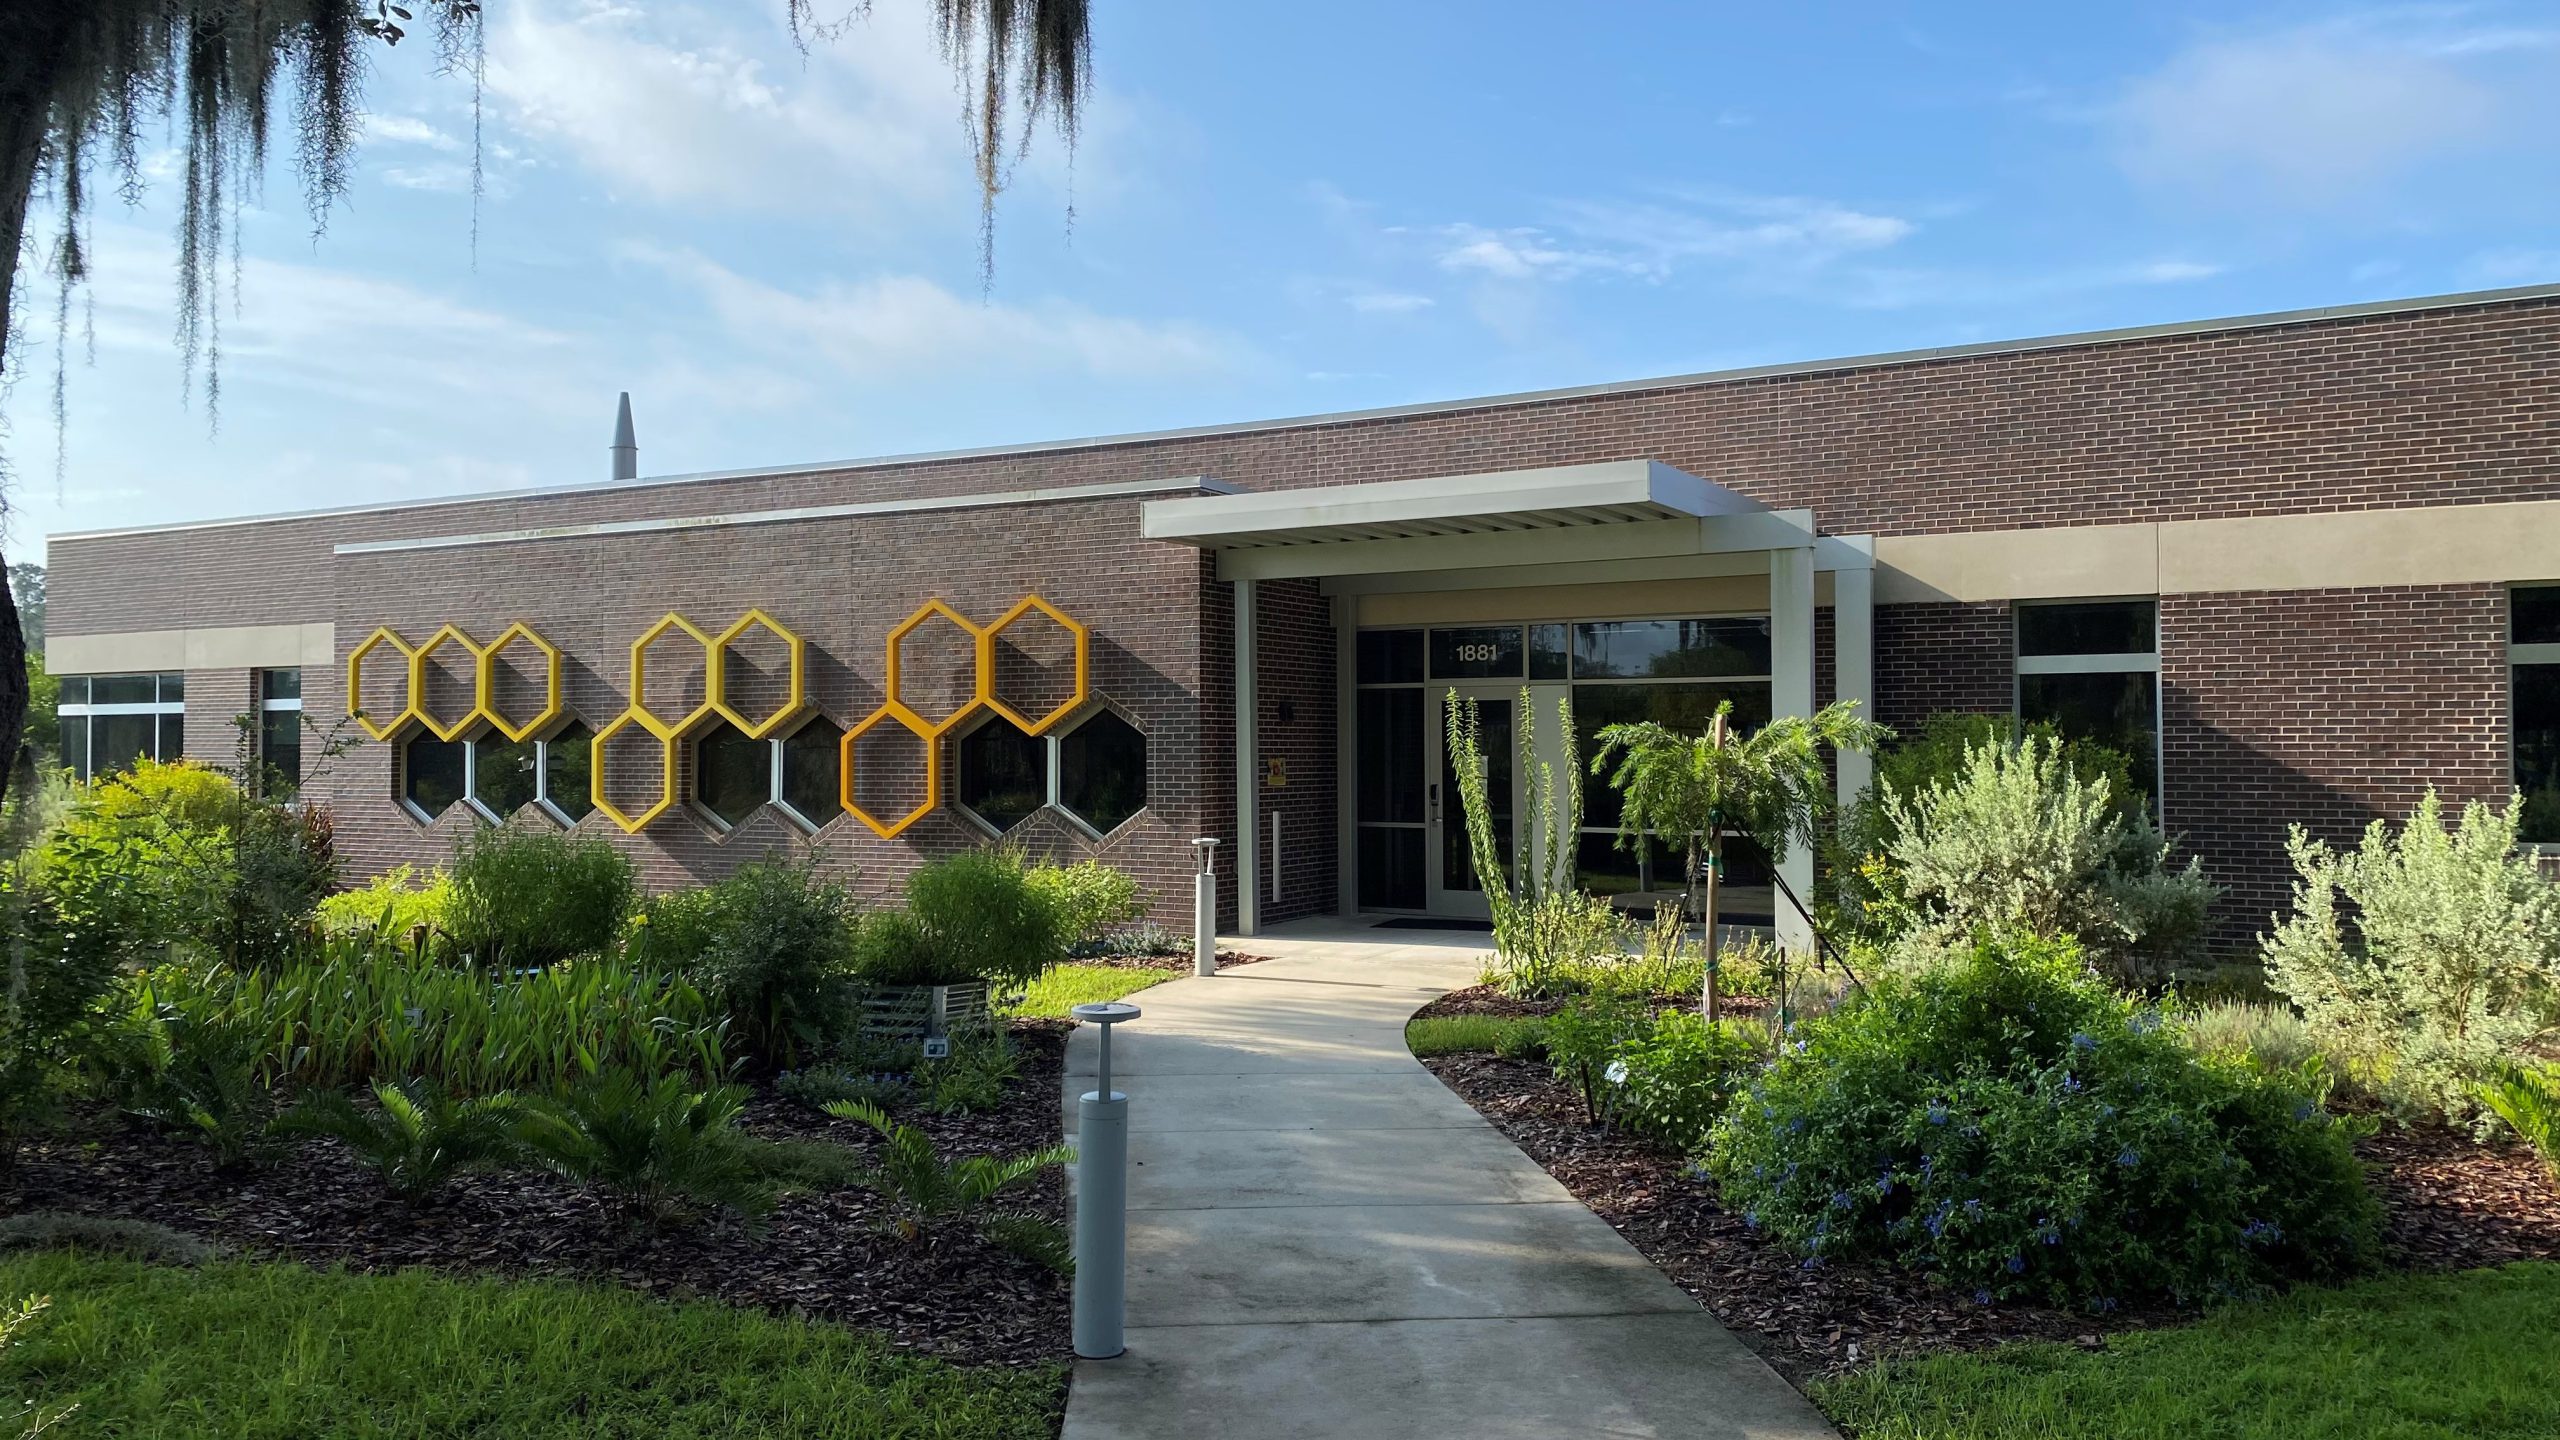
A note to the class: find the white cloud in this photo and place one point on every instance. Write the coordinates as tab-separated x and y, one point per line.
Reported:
907	328
2325	114
1519	253
1654	238
407	130
1388	302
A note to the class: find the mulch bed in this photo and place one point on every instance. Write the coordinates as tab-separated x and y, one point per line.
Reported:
826	1255
1178	964
2449	1204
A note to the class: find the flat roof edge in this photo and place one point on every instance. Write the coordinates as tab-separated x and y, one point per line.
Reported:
1881	360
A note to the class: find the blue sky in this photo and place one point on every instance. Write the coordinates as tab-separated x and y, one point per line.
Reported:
1276	210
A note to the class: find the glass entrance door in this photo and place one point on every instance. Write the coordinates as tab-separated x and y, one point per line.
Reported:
1449	857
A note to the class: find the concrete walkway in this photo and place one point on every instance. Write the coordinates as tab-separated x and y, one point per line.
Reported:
1326	1242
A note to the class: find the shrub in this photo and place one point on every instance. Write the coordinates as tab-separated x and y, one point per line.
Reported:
1582	1042
2271	1037
525	896
352	1013
2449	962
927	1190
392	908
2017	1129
970	916
1513	1037
103	1235
971	1078
819	1085
771	946
662	1147
1675	1075
55	963
1551	942
1091	900
2528	1099
415	1137
203	1082
2019	841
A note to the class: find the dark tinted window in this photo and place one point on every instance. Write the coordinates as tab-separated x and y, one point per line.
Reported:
1004	774
1389	657
431	773
1687	707
1550	652
2105	627
1476	652
732	774
280	685
566	779
1650	649
280	750
124	689
1102	771
2538	750
502	774
75	690
2116	710
810	762
2537	615
1390	868
116	741
1390	759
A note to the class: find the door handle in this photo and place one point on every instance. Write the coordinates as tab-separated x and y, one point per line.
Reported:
1433	790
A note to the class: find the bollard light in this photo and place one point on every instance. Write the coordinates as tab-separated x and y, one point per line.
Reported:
1204	909
1102	1196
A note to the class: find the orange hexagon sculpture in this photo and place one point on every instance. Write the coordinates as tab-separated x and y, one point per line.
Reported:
716	681
848	766
628	719
355	683
441	729
659	725
1028	605
908	714
551	706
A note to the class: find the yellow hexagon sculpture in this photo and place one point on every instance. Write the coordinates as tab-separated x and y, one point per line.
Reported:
659	725
355	683
898	715
907	714
631	823
987	665
716	683
551	704
453	635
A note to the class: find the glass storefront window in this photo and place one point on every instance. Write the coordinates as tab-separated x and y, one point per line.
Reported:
1476	652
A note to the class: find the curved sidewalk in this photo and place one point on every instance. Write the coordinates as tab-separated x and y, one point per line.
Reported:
1324	1241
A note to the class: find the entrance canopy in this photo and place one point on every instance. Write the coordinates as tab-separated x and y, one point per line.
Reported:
1617	510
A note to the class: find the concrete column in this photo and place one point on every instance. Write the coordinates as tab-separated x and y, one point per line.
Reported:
1853	659
1346	754
1248	783
1791	693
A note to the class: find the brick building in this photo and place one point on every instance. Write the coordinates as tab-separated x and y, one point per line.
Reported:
2293	564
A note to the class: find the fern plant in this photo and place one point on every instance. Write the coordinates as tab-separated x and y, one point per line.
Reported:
2528	1099
663	1146
202	1080
928	1190
416	1138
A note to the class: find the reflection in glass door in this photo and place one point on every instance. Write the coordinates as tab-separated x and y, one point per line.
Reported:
1450	858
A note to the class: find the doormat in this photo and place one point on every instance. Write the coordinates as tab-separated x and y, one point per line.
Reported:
1435	922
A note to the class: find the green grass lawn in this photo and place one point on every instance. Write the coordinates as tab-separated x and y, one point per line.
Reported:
1067	986
2464	1356
266	1350
1469	1034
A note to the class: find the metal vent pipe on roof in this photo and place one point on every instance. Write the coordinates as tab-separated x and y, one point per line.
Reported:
626	446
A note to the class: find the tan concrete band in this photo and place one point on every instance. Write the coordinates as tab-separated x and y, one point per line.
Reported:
2344	549
227	647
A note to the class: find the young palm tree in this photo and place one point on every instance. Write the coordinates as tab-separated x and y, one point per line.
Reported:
1769	785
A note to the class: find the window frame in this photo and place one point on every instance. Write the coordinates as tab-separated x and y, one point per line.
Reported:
2519	656
2131	662
160	706
542	772
1056	738
1048	743
780	791
279	705
471	775
776	797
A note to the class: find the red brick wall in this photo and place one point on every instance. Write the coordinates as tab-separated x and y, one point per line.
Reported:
1296	727
2431	408
2329	708
1935	659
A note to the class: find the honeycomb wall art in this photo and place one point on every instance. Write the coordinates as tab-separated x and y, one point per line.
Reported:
727	675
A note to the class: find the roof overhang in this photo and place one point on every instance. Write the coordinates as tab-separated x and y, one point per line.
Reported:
1626	509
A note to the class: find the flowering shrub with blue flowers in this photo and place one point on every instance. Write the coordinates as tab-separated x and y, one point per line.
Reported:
2021	1130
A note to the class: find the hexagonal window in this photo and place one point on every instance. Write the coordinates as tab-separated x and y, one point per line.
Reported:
568	783
732	775
812	759
1004	774
503	772
434	774
1102	771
